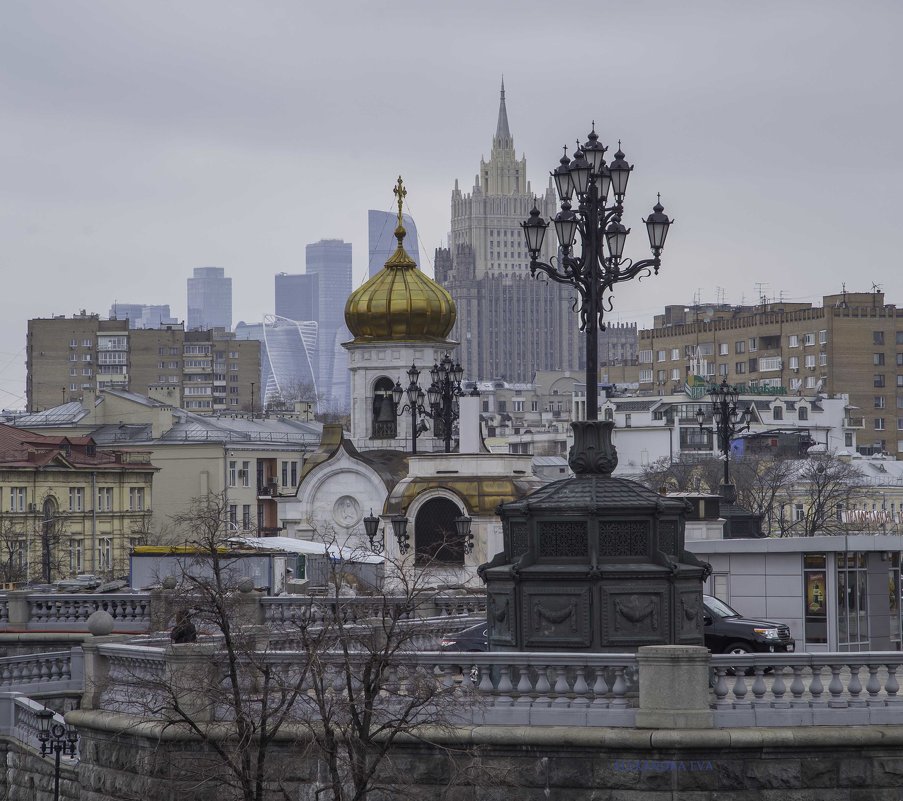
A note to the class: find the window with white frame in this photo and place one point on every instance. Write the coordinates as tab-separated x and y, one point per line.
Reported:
136	499
740	367
233	473
645	376
794	362
675	374
753	343
646	358
245	474
810	361
793	341
823	337
723	349
17	498
767	363
104	553
811	381
675	354
823	359
104	499
76	551
808	339
76	499
660	355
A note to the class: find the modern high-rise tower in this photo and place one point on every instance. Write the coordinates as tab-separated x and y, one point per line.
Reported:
209	299
296	296
330	261
381	236
509	324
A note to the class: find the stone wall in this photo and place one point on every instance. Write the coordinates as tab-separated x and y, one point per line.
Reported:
536	764
28	777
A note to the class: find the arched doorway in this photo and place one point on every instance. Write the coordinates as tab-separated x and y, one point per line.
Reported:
436	539
384	422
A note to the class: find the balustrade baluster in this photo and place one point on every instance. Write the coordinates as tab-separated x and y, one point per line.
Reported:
619	690
600	689
854	688
505	686
758	687
542	686
873	685
721	689
798	686
816	688
524	686
740	689
486	679
779	688
581	688
891	686
562	688
835	687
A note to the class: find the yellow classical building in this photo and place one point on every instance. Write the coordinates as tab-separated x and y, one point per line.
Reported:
67	508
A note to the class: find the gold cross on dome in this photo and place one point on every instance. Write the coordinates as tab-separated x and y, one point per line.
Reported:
400	192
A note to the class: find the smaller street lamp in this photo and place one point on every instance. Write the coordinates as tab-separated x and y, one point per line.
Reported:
415	397
57	739
400	528
465	535
377	540
727	419
444	393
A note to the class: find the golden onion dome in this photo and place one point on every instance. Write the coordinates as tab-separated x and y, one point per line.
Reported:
400	302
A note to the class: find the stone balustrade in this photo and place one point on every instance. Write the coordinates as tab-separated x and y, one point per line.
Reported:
846	688
56	672
65	612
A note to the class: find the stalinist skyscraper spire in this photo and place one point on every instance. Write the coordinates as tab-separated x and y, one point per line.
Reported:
509	325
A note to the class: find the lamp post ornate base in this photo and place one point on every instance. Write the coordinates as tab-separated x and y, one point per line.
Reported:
593	562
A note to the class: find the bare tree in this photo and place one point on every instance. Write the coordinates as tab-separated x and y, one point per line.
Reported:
341	689
760	482
818	490
665	475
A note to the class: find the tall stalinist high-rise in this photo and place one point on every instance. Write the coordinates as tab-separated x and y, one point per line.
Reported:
509	324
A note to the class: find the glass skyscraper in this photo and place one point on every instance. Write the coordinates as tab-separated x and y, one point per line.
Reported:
382	242
209	299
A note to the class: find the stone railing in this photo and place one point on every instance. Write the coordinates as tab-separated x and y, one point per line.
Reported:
294	608
56	672
65	612
807	689
660	687
19	721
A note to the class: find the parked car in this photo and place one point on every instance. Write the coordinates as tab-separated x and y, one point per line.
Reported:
474	638
728	632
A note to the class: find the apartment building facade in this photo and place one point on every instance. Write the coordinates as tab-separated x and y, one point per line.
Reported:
67	357
852	344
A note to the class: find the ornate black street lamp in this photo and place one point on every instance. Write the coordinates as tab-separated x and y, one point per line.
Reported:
376	538
443	395
400	528
57	739
727	420
465	535
415	396
597	264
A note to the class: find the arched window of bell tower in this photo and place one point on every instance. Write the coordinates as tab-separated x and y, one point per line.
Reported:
385	422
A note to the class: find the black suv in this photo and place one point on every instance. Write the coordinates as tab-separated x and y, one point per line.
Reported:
726	632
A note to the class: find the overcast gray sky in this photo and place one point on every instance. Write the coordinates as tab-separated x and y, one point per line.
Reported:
141	139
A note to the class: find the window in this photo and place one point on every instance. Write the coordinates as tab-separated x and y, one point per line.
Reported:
76	499
823	359
722	369
628	421
104	499
136	499
879	401
675	354
675	374
794	362
879	424
233	516
877	337
104	553
707	349
295	472
878	380
740	346
17	496
793	341
799	512
822	337
878	359
534	406
246	516
660	356
848	439
816	606
900	424
740	367
518	405
810	361
808	339
245	474
73	343
86	357
76	549
811	381
723	349
285	474
645	376
802	413
753	344
777	413
767	363
646	358
233	473
754	365
900	380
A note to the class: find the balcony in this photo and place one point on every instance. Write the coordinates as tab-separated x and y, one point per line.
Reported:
854	422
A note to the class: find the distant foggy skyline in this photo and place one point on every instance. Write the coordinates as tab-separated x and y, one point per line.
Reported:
142	140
